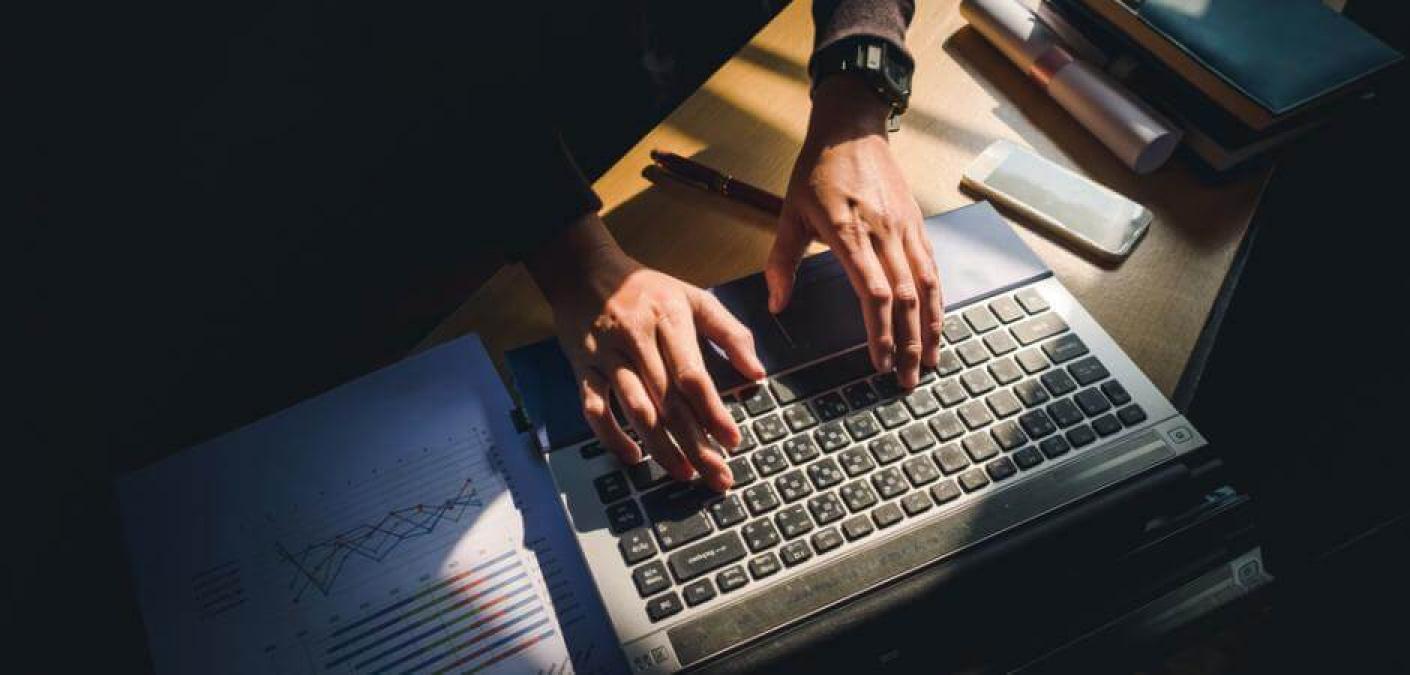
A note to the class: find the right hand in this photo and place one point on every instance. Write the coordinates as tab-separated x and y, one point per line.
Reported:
630	333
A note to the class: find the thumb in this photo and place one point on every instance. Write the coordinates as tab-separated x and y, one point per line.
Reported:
789	244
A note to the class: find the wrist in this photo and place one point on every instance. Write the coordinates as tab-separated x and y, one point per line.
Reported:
845	104
562	264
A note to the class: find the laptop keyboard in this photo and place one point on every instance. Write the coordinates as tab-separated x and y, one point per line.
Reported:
834	452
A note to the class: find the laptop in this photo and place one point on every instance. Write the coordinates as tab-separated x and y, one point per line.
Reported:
844	482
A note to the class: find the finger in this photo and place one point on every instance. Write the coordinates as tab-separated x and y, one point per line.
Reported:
643	359
639	409
932	306
598	414
905	307
789	244
851	242
716	322
692	405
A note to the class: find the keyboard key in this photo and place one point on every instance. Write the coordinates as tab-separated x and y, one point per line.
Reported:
946	426
1131	415
860	395
862	426
770	461
858	495
920	471
663	606
921	403
886	515
820	377
590	450
1091	401
636	546
1031	300
799	418
757	400
647	474
1036	424
735	408
676	533
856	461
944	491
1106	425
624	516
792	486
980	319
742	471
1038	328
1081	435
1064	412
1088	370
1054	446
1008	435
651	578
1000	469
731	578
759	534
917	438
826	540
914	503
887	450
1116	392
1027	457
977	381
972	353
999	343
980	446
887	386
1003	403
831	437
760	498
954	329
1031	360
824	474
706	556
1007	309
611	487
770	429
800	449
1031	393
793	521
1006	371
764	565
889	483
795	553
1064	348
698	592
950	393
892	414
727	512
975	414
746	442
856	527
829	406
973	479
948	364
950	459
1058	382
826	508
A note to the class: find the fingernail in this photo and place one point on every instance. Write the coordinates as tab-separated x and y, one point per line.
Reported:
885	363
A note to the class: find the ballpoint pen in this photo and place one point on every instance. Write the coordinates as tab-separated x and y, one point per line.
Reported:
698	175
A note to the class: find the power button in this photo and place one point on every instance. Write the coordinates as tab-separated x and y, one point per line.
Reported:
1181	435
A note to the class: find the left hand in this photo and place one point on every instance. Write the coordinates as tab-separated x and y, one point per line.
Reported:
847	190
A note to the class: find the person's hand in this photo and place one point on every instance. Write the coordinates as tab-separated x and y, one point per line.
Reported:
847	190
630	333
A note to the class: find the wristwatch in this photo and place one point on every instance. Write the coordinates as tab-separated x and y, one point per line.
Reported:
882	65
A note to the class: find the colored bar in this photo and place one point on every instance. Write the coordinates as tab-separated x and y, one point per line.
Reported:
410	599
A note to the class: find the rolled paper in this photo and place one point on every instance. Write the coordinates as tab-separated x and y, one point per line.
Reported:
1135	133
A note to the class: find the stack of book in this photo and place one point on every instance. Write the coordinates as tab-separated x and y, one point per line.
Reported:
1241	77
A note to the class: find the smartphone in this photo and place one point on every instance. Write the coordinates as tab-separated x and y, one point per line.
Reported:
1082	211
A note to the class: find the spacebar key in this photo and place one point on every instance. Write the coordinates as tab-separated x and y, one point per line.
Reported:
713	553
820	377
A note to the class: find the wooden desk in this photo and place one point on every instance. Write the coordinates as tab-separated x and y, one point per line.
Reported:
749	118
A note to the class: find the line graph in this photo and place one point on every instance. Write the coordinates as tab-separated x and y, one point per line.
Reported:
318	564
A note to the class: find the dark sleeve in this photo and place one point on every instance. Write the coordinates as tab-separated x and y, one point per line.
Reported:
840	19
564	196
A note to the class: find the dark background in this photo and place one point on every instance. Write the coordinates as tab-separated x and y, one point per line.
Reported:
1304	389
